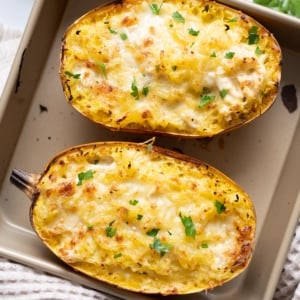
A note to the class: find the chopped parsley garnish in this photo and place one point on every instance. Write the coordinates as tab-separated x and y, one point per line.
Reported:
145	90
139	217
213	54
178	17
85	176
204	245
103	68
229	55
205	99
134	90
174	68
70	74
90	226
159	247
112	31
220	207
133	202
188	224
109	230
123	36
149	147
253	37
234	19
258	51
223	93
155	8
117	255
153	232
193	32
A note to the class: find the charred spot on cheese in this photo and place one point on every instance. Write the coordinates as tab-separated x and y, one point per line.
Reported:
145	219
163	54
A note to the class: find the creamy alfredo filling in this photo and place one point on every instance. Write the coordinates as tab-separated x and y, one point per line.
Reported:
162	59
134	201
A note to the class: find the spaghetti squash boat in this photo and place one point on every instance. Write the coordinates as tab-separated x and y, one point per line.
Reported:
141	217
184	68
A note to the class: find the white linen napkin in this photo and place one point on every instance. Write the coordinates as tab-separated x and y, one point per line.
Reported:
9	41
18	282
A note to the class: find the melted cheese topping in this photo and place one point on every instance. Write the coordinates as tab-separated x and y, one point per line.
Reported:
97	206
140	70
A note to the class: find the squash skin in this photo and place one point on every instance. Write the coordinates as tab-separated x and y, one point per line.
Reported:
111	104
54	192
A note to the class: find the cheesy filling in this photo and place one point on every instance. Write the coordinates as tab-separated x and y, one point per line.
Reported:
143	220
187	67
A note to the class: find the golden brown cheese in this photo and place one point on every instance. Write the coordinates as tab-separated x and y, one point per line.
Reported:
144	218
187	68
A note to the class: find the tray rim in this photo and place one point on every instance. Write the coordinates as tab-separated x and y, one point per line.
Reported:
8	91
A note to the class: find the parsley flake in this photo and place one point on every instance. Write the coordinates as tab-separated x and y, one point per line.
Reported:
133	202
85	176
258	51
90	226
205	99
70	74
153	232
159	247
229	55
193	32
213	54
149	147
204	245
234	19
188	224
103	68
253	37
155	8
123	36
109	230
139	217
178	17
223	93
117	255
134	90
112	31
145	90
220	207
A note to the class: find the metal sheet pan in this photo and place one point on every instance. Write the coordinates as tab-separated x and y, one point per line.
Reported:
36	122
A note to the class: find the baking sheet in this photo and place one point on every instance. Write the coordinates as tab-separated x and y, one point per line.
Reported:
36	122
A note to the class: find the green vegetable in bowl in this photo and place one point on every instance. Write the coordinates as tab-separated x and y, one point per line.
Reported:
290	7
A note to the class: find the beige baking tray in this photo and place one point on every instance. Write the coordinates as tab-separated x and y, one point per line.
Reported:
36	122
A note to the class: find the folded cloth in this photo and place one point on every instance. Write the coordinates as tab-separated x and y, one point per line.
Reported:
18	282
9	41
288	287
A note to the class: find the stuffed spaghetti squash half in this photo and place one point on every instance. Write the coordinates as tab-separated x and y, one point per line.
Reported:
140	217
185	68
